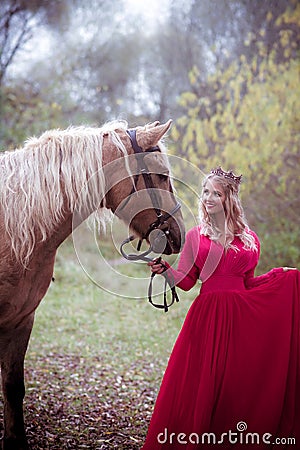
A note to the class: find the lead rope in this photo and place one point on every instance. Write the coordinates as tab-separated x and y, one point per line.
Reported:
174	296
168	281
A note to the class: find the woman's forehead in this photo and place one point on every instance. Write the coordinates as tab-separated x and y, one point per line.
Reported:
214	185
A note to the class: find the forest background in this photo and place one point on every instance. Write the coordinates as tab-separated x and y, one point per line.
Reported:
225	71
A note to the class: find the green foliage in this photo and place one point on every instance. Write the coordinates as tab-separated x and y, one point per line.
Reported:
248	120
24	113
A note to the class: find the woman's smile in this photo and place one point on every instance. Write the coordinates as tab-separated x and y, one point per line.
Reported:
213	197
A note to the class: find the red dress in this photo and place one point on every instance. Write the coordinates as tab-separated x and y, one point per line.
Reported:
234	374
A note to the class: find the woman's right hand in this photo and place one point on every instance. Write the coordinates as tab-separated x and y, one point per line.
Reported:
157	266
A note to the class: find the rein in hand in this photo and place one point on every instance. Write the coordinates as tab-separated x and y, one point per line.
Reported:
144	257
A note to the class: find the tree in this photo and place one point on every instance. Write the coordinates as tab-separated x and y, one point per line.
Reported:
50	89
21	109
227	25
208	35
248	121
20	19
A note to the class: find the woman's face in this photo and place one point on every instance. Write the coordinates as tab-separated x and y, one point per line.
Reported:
213	197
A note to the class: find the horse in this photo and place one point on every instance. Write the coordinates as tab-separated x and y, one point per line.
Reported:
80	171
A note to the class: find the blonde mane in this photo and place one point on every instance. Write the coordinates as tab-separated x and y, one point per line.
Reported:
32	199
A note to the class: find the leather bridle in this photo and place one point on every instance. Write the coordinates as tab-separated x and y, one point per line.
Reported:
161	225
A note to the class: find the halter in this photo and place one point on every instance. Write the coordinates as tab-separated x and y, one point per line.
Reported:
157	243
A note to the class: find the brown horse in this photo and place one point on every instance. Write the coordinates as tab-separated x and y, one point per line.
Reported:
41	186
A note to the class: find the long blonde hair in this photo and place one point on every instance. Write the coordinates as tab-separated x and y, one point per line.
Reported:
234	216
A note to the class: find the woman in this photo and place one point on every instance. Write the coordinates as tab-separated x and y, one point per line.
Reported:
233	378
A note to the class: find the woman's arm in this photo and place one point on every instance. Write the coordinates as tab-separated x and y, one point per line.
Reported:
251	281
187	273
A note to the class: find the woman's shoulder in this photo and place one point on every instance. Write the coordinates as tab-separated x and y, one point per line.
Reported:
194	240
196	235
194	231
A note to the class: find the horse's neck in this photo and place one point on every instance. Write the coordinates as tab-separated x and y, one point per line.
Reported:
60	234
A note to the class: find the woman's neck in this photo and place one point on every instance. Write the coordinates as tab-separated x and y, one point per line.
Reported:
219	222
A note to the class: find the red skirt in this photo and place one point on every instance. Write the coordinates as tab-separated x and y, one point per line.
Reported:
233	378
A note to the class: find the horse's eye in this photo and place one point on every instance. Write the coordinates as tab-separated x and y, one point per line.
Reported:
163	177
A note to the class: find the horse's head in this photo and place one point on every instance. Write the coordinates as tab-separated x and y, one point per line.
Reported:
141	191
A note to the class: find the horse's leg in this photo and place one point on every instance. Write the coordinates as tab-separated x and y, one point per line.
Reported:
12	372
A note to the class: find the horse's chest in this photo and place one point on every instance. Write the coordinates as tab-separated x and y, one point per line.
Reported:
21	293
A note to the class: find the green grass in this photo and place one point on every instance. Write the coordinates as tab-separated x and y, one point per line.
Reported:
76	316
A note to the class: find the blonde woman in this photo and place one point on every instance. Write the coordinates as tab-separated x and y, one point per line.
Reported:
233	377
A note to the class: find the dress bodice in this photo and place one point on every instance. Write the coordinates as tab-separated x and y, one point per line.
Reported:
218	268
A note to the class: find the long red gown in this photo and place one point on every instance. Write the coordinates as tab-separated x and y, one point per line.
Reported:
234	374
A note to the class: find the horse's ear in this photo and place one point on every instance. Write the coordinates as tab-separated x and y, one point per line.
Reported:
151	136
152	124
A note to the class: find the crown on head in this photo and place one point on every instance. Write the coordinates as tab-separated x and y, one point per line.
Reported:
229	175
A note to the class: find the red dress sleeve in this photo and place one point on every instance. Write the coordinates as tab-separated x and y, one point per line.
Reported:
250	280
187	273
